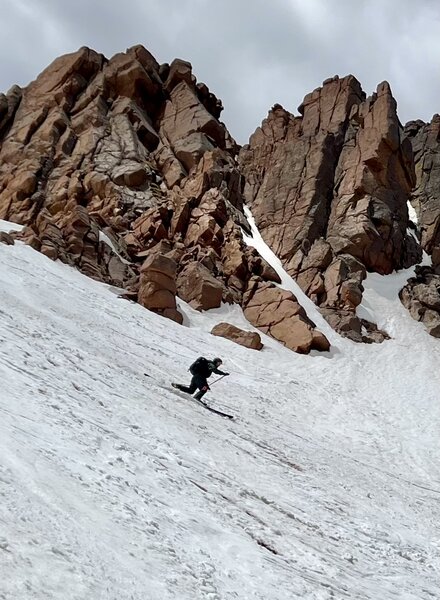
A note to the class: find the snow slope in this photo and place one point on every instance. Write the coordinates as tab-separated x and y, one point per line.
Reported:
113	487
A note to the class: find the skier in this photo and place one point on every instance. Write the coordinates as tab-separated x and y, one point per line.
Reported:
201	369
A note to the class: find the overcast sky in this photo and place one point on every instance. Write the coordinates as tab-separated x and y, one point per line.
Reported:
251	53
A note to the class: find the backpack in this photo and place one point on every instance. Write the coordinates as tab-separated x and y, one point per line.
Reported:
200	367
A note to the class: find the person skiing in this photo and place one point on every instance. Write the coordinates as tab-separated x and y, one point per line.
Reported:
201	369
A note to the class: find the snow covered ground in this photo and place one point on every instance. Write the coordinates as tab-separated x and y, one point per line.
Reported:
114	487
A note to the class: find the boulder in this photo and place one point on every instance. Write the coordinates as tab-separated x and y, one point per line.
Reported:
204	231
157	289
342	283
190	149
421	296
6	238
199	288
349	325
152	226
260	267
171	169
249	339
277	313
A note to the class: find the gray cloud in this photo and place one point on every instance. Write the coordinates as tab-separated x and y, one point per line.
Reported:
251	53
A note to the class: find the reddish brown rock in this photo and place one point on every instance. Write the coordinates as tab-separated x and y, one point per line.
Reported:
320	342
260	267
151	227
181	214
249	339
234	260
425	142
132	176
199	288
128	147
186	121
420	292
342	283
310	275
86	133
334	181
172	170
204	231
277	313
179	70
217	170
421	296
8	107
289	166
29	237
374	175
157	289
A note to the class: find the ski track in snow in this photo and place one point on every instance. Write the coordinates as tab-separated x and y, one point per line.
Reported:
326	487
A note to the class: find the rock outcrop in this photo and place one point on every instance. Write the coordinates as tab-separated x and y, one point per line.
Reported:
329	191
421	296
157	287
123	169
249	339
278	313
425	140
199	288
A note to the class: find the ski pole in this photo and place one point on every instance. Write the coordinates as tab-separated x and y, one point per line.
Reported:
215	380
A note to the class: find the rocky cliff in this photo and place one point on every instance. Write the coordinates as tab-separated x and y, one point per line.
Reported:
329	192
123	169
422	293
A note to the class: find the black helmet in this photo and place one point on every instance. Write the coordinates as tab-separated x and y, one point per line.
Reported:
217	361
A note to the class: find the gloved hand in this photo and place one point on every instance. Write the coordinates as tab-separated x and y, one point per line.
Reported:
226	374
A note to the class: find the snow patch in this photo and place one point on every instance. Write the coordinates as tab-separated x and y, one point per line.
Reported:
104	238
287	282
8	226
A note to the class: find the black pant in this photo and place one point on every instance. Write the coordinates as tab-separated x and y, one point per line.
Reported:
197	382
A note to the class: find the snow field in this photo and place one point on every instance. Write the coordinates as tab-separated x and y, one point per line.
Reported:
112	486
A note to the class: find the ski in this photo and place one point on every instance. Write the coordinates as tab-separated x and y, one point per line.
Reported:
213	410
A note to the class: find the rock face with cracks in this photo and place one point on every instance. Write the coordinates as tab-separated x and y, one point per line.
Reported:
421	296
329	192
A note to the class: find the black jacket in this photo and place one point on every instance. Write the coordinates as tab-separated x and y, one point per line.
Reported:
213	369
